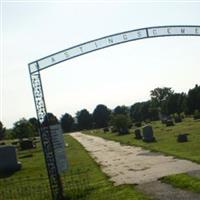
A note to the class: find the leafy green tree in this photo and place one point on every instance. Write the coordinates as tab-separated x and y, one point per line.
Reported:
84	119
121	110
135	112
35	124
2	131
142	111
160	94
9	134
101	116
193	100
50	119
121	121
196	114
67	122
153	111
174	103
23	129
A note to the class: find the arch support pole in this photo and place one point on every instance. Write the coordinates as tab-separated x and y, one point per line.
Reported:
46	139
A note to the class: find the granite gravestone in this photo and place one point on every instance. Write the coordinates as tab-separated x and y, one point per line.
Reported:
113	130
8	159
123	131
138	135
147	133
169	122
177	119
182	137
27	144
106	130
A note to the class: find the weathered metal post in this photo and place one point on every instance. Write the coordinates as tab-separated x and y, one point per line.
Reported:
45	134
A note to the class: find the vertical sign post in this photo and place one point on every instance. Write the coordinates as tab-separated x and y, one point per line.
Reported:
45	134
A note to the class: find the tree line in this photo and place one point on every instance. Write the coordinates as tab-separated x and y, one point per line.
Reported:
163	102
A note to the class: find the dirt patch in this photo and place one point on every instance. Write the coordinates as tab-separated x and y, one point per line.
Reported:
130	164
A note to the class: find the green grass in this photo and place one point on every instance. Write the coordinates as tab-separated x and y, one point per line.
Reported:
17	184
33	166
183	181
166	139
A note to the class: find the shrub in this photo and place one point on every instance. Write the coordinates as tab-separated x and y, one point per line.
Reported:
138	124
113	130
121	122
177	118
169	123
196	114
182	115
106	129
123	131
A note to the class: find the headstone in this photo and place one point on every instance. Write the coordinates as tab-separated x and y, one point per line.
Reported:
8	159
164	121
196	116
177	119
123	131
138	135
113	130
147	133
169	123
182	137
138	124
27	144
147	121
165	118
36	140
130	126
106	129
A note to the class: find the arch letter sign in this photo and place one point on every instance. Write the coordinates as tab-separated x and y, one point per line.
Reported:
78	50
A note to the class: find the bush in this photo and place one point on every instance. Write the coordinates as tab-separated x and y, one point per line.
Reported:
177	118
196	114
138	124
121	123
23	129
169	123
182	115
147	121
113	130
123	131
130	126
106	130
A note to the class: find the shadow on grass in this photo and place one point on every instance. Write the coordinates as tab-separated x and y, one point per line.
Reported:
26	156
6	174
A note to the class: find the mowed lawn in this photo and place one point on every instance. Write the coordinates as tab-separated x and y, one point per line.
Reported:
167	144
33	167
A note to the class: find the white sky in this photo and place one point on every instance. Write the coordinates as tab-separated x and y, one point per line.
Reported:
123	74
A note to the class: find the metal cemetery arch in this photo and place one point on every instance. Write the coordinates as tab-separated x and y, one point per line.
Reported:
81	49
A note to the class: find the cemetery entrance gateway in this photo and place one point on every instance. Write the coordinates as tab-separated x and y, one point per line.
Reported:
78	50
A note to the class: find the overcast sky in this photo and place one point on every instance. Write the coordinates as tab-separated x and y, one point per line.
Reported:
119	75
